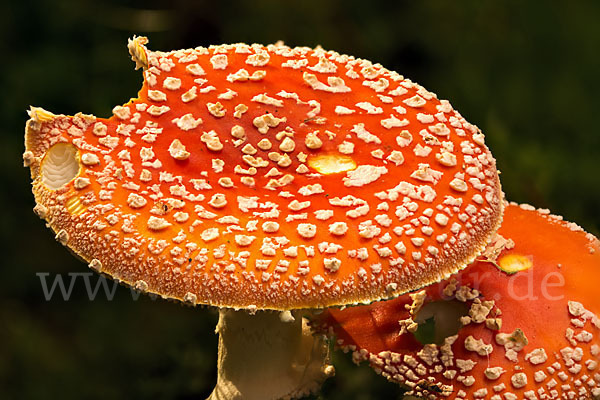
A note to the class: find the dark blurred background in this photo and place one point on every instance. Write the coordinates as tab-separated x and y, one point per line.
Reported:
525	72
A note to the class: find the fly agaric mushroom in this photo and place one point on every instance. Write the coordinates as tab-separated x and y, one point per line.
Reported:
267	178
521	324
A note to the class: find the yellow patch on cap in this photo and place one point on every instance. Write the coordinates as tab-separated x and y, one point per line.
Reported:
332	164
513	263
74	205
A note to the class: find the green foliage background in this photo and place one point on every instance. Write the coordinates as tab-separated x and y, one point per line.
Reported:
526	72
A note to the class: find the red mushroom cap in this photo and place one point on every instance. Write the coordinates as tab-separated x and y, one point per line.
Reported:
530	333
267	177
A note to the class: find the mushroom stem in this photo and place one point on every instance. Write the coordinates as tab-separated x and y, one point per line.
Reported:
267	356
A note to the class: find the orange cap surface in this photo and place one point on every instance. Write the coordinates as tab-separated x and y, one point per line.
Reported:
531	334
267	177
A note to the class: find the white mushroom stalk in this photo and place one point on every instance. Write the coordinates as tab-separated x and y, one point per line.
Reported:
269	355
